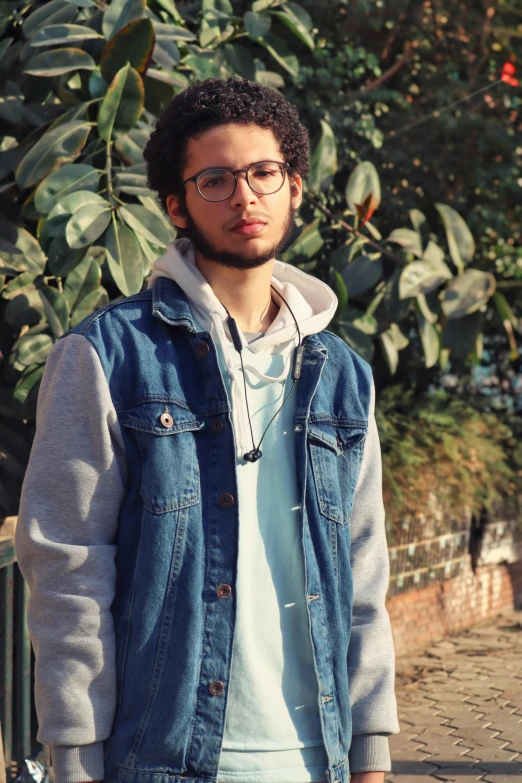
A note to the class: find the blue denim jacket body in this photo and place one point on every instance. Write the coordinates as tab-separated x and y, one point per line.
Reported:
177	541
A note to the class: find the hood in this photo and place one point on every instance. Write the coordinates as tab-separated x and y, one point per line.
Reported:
312	302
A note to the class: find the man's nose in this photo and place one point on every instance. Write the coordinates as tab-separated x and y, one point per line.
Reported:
243	193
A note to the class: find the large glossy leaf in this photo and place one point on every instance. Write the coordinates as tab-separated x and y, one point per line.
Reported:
25	391
421	277
203	67
33	349
166	54
132	181
460	239
323	164
25	309
67	179
130	145
56	309
256	25
172	32
123	104
28	256
53	12
63	33
408	239
55	62
467	293
133	44
86	225
19	284
240	59
146	223
88	305
430	341
392	341
81	282
307	244
59	215
360	342
361	274
62	260
119	13
299	22
124	258
11	103
56	147
460	335
281	53
364	188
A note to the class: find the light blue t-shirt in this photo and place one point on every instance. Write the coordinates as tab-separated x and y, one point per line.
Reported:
272	729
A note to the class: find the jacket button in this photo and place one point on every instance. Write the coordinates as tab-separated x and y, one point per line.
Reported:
226	500
202	349
216	688
224	591
217	426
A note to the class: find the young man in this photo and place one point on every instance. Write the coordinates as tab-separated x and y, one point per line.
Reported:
206	556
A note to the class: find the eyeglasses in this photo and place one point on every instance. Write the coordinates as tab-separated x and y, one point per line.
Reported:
264	178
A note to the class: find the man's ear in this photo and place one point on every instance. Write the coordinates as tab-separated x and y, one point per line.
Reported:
296	190
176	212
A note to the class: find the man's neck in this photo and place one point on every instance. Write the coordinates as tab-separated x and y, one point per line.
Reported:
246	293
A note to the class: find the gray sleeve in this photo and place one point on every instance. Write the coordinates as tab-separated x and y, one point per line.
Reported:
67	523
371	657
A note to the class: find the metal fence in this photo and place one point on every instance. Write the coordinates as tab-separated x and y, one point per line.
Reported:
15	664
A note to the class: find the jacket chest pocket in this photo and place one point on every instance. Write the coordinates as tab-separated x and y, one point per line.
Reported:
336	454
167	447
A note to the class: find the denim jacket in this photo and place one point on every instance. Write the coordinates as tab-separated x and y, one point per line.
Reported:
177	539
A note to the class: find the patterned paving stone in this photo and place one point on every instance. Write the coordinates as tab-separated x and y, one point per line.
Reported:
460	708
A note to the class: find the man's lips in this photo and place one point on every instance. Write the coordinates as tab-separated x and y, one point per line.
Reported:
248	226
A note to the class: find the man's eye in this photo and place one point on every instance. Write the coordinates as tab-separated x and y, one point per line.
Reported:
210	183
265	173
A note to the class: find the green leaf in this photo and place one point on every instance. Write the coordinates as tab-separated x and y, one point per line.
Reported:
62	260
281	53
407	239
28	256
364	186
323	164
262	5
460	334
256	25
123	104
146	223
56	309
18	284
467	293
54	12
82	281
133	44
133	181
55	62
26	388
119	13
172	32
460	239
504	309
86	225
56	147
59	215
62	33
11	103
166	54
25	309
203	67
361	274
298	21
130	145
340	290
124	258
88	305
392	341
33	349
306	245
240	59
360	342
421	277
67	179
430	341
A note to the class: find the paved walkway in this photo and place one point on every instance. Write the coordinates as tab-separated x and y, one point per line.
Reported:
460	708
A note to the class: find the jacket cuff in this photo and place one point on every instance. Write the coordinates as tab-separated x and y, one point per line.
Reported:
370	753
77	763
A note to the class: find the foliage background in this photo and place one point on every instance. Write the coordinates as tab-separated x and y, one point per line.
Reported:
413	210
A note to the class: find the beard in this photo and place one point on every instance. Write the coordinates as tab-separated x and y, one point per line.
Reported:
204	245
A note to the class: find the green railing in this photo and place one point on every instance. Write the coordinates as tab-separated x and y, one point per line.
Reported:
16	707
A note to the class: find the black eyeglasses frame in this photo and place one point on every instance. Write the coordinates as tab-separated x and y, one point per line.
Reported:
285	166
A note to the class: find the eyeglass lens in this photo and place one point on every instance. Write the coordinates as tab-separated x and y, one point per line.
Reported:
218	184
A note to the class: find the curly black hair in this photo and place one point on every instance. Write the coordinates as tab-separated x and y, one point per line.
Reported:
208	104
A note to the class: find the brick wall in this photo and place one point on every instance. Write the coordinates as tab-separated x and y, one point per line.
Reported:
418	616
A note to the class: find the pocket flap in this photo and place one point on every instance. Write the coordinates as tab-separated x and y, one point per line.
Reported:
338	437
147	417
